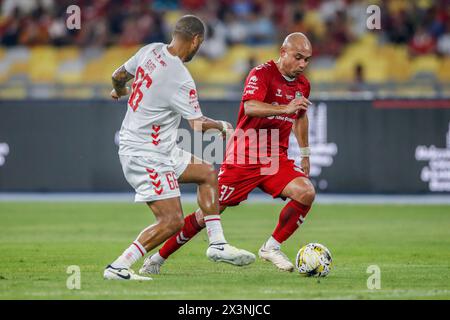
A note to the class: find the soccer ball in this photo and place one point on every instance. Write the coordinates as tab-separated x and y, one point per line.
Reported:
314	260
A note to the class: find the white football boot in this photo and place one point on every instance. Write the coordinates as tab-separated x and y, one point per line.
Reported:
150	266
278	258
111	273
223	252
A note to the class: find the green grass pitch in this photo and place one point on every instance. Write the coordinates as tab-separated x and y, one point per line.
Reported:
410	244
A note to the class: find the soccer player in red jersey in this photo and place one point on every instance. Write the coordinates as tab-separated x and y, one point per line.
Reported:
274	102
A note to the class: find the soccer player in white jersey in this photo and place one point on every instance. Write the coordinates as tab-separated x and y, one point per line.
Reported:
163	91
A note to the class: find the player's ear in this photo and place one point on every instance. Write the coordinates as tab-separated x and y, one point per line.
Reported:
282	51
197	40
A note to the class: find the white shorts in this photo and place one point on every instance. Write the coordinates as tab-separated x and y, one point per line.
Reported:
155	178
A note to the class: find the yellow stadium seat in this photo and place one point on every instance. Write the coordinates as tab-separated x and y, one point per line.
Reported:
224	77
74	77
67	53
376	70
199	68
100	70
97	72
240	52
425	64
444	70
316	75
18	68
43	64
399	71
266	53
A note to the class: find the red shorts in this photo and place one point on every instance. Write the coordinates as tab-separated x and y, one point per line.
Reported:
237	181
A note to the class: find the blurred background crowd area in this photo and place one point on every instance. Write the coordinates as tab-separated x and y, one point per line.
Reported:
409	55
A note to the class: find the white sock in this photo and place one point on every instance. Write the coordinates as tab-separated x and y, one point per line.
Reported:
214	229
157	258
132	254
271	243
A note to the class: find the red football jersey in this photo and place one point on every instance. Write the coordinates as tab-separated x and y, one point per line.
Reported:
270	135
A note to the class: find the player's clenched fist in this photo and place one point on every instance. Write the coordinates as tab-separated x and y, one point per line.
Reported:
116	96
297	104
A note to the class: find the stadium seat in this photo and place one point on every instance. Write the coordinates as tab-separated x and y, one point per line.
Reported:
444	69
263	54
67	53
428	64
316	75
43	64
199	68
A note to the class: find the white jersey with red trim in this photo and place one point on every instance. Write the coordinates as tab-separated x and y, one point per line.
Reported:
163	91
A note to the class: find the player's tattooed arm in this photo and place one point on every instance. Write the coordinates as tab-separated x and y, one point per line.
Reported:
120	77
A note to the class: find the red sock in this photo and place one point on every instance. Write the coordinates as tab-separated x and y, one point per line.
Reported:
189	230
291	217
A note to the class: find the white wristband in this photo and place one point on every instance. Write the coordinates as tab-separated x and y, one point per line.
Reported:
224	126
224	129
305	152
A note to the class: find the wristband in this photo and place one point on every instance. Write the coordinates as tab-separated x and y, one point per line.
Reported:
305	152
224	129
224	126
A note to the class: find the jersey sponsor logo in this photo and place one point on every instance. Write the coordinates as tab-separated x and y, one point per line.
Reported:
253	79
162	63
150	66
281	118
193	100
251	86
159	58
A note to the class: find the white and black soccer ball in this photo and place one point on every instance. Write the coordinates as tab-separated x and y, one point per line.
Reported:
314	260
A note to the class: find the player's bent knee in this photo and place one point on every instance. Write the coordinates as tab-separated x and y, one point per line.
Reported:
305	194
309	195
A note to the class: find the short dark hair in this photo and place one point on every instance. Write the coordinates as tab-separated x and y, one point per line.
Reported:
189	26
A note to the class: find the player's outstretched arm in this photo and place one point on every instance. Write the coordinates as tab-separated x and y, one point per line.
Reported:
255	108
204	123
120	77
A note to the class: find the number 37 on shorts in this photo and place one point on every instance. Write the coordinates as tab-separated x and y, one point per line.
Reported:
225	192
